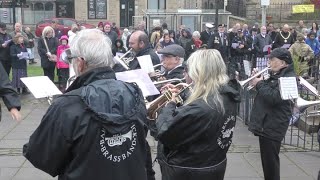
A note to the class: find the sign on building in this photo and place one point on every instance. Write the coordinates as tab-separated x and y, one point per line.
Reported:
265	2
97	9
305	8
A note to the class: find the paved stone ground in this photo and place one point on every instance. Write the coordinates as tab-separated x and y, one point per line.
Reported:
243	157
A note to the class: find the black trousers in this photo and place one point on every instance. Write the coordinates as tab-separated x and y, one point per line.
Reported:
269	151
49	72
7	66
150	172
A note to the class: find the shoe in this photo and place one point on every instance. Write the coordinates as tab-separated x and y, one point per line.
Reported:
25	91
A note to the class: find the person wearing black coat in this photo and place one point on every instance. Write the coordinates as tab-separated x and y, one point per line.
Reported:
283	37
111	34
19	63
172	61
260	42
9	95
205	35
241	49
97	129
270	114
48	65
118	48
197	135
220	41
5	44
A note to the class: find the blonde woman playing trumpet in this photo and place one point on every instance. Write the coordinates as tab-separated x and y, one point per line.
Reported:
197	135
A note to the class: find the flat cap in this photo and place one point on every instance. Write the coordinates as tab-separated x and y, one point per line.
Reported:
282	54
208	25
174	50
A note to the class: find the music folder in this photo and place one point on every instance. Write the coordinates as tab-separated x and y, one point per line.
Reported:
288	88
142	79
41	86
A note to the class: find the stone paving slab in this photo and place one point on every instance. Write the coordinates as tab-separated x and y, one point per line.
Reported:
243	157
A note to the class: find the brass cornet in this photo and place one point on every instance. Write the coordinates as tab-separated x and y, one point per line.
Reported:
154	106
245	82
125	61
175	80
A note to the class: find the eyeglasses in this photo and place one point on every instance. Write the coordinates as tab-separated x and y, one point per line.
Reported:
66	56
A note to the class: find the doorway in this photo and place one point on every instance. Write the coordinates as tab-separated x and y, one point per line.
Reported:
126	12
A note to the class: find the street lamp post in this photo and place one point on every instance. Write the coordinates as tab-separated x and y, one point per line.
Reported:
217	16
14	4
264	5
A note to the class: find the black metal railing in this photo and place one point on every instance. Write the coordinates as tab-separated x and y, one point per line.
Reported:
302	133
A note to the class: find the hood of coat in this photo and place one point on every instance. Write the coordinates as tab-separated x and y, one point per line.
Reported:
111	100
232	91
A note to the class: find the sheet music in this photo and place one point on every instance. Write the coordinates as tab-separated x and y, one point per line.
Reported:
286	46
41	86
266	48
7	42
288	88
261	63
247	67
307	85
235	45
140	77
119	54
146	63
24	55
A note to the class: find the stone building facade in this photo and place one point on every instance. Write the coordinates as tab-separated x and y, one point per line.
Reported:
123	12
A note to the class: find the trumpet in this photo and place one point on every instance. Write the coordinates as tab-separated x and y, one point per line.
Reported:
302	104
157	65
169	81
154	106
245	82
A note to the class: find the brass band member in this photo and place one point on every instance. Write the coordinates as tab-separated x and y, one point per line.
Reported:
197	135
270	114
9	95
96	130
140	45
172	56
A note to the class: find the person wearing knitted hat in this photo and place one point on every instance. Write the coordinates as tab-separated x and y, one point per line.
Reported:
62	67
270	113
101	26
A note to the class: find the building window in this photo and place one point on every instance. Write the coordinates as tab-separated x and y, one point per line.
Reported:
156	4
38	7
97	9
48	6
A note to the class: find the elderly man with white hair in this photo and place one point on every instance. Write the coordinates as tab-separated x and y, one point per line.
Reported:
193	45
96	130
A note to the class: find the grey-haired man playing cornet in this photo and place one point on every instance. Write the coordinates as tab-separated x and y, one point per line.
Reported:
270	114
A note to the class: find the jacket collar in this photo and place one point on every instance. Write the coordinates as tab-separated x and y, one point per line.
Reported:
91	76
283	71
143	51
